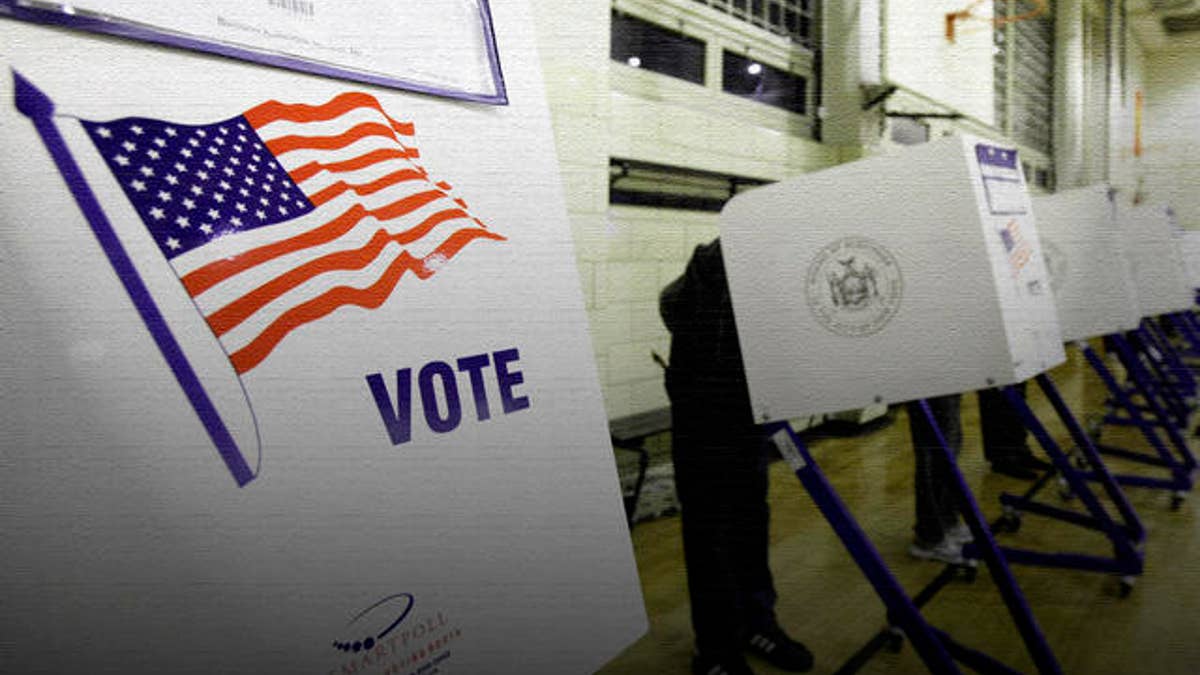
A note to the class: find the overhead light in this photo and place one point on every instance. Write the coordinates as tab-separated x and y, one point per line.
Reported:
635	61
754	68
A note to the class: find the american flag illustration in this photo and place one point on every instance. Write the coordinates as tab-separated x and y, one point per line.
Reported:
279	216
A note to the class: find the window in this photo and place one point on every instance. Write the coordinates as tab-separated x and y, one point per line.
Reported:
750	79
642	44
674	187
795	19
1023	64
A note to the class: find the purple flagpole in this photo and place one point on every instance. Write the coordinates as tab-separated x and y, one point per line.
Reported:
38	107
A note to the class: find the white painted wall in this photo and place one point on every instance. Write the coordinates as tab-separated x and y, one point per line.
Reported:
918	57
602	109
1172	132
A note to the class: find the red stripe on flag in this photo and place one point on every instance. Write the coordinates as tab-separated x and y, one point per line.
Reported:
272	111
233	314
204	278
306	171
341	187
371	297
285	144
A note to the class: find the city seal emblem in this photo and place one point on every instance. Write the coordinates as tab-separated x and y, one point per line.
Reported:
854	286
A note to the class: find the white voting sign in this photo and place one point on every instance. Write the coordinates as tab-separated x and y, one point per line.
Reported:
296	375
1089	273
1156	260
888	279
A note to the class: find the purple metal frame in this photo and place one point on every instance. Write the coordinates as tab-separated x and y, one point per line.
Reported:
1168	367
1168	393
1125	536
1189	329
937	649
93	24
1181	463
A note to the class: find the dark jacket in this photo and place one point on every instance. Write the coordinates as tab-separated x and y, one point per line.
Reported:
705	373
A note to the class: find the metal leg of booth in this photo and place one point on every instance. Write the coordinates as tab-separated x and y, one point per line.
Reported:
1155	386
1125	536
1185	324
936	648
1179	464
1159	381
1166	356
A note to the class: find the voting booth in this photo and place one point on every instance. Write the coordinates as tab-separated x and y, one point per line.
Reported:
888	279
1189	244
1156	260
1089	273
297	374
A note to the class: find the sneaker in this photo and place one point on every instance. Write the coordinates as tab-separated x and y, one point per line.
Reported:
726	664
944	551
959	534
780	650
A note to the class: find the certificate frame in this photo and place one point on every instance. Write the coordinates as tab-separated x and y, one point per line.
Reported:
61	14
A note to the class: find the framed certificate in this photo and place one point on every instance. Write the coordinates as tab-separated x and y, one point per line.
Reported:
438	47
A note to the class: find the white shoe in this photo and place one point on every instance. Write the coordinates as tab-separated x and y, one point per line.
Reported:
944	551
959	534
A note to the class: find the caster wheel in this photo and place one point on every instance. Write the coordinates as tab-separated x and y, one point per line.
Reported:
895	641
1009	522
1126	587
1064	491
1176	502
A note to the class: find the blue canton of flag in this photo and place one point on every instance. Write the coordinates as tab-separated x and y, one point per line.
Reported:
193	184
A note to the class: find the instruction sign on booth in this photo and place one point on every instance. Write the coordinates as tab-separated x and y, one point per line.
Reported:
297	375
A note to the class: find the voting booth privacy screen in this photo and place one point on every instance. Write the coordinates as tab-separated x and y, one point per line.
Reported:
888	279
1156	259
296	374
1089	274
1189	248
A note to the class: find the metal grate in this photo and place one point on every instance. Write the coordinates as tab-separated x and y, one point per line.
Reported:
1024	75
795	19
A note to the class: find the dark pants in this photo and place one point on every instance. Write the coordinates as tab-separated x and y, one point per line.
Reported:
936	494
1004	436
721	480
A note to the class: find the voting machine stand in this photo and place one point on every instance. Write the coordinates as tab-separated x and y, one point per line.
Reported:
936	648
1149	417
1125	533
1170	375
1188	327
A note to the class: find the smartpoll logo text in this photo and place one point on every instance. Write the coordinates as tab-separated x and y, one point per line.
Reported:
390	637
440	396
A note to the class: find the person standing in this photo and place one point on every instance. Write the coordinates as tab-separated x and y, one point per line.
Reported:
720	460
1005	439
938	534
